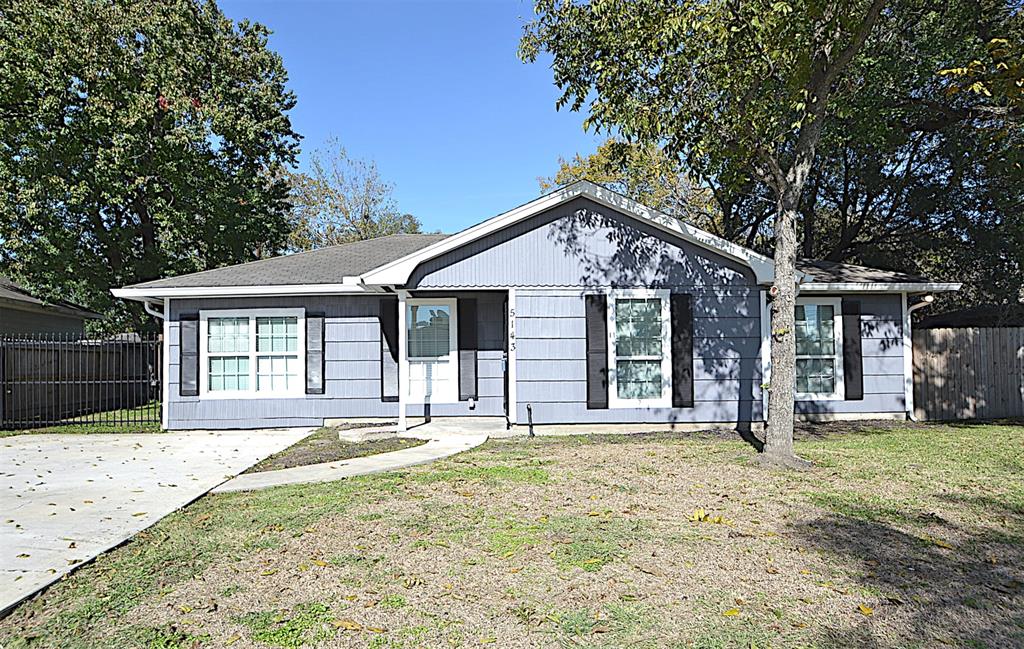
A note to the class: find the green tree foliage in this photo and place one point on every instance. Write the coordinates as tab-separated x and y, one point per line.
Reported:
829	115
341	200
137	139
737	90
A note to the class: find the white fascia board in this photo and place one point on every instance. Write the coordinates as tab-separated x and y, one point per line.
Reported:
398	272
132	293
880	287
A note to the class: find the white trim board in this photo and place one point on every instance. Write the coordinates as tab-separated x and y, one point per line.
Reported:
136	293
398	271
251	314
880	287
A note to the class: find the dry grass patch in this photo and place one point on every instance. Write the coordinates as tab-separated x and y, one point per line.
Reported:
899	537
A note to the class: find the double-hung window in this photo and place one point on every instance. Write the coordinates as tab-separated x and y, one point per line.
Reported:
639	349
819	348
257	352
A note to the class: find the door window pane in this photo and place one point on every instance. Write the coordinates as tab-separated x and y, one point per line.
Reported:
429	330
228	335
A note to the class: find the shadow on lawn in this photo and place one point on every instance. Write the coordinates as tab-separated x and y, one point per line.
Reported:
968	595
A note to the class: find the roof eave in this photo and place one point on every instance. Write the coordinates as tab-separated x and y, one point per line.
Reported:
349	285
879	287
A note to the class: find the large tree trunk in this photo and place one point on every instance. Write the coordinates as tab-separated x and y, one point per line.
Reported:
778	442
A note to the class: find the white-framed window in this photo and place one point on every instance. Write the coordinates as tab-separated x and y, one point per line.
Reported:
252	353
819	348
639	348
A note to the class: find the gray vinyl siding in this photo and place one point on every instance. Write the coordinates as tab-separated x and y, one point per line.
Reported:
352	386
552	261
881	330
581	244
551	365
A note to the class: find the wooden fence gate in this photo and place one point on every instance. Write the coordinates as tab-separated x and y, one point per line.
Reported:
969	373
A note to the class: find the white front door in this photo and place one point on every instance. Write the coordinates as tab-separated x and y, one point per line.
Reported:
432	352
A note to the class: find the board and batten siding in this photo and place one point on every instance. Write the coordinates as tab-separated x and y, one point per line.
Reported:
352	385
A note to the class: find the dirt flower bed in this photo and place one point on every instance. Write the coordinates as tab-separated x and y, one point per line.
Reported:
897	537
324	446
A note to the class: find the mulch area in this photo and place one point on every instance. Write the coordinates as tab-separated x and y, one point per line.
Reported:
325	446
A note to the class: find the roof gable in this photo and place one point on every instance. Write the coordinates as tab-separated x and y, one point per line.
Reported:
398	271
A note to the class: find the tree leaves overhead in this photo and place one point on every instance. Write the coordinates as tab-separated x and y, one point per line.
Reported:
343	199
137	139
918	167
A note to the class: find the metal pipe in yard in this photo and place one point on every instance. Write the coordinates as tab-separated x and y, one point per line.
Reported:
529	417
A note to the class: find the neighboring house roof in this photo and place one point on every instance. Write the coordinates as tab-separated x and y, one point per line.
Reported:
14	295
986	315
390	261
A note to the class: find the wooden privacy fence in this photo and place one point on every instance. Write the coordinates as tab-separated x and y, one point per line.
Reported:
969	373
55	379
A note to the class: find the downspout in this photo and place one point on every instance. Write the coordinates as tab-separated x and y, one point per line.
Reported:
160	315
925	301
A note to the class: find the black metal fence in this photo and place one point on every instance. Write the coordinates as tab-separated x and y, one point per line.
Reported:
71	379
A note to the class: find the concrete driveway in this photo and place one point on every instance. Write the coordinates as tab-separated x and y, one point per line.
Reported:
66	498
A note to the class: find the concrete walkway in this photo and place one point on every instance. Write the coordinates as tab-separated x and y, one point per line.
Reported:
438	446
64	499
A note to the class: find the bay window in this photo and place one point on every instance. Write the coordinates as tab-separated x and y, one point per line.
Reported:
819	348
256	352
639	352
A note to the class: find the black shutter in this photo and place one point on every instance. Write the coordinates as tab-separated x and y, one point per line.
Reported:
468	345
389	349
188	333
597	350
315	353
681	305
853	362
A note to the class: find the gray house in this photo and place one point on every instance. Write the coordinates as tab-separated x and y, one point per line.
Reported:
580	307
21	312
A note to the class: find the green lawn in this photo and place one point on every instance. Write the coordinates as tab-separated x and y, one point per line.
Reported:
900	536
126	420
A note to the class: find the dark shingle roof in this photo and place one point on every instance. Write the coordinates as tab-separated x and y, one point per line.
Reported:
830	271
322	266
10	291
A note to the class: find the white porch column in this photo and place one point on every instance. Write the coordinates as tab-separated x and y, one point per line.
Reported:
908	360
403	362
511	360
766	352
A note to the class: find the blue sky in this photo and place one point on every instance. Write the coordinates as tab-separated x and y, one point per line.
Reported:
432	91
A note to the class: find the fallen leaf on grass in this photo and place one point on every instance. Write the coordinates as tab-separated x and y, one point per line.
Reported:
938	542
348	625
731	612
318	562
233	639
865	610
701	516
136	514
267	573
